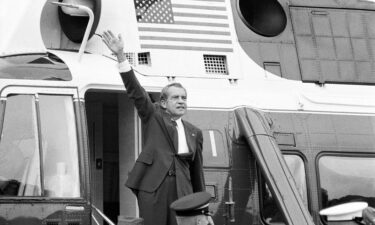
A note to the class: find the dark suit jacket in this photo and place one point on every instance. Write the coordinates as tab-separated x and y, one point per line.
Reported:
159	148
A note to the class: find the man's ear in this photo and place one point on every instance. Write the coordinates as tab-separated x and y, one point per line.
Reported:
163	104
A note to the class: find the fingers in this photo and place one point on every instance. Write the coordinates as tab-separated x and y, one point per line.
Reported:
108	35
115	44
105	41
108	38
105	38
111	34
105	34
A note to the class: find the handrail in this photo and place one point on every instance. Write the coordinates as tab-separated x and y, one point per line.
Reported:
89	24
95	220
102	215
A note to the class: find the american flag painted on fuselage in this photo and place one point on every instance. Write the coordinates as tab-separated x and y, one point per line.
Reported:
201	25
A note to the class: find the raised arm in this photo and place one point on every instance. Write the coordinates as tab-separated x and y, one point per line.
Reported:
136	92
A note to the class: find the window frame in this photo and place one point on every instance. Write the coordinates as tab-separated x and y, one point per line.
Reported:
262	181
334	154
307	172
80	131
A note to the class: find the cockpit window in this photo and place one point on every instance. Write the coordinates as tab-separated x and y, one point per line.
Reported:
59	140
19	150
34	67
346	179
38	147
270	211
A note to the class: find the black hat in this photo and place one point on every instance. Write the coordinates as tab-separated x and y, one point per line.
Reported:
192	205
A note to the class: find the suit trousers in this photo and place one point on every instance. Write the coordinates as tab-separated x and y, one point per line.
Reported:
154	207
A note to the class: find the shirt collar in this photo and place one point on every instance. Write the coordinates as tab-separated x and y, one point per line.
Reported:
179	122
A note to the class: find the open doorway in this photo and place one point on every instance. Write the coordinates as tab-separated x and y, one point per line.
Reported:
114	145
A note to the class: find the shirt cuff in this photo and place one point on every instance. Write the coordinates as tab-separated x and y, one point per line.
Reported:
124	66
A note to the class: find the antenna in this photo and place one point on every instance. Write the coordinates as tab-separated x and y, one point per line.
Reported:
89	24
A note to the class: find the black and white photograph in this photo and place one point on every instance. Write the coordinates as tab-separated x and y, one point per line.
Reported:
187	112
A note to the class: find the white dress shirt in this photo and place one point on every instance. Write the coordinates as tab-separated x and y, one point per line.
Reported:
182	145
124	66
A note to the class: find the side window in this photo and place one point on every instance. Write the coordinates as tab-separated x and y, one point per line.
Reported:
38	147
346	179
59	141
269	209
19	149
297	168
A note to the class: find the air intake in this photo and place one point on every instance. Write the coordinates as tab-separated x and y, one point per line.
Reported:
264	17
144	58
130	56
215	64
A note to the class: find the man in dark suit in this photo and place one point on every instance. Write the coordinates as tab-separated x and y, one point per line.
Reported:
170	164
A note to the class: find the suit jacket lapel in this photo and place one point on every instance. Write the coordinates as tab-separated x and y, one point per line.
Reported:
190	137
171	131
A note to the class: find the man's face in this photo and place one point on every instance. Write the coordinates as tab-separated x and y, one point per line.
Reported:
205	220
194	220
175	104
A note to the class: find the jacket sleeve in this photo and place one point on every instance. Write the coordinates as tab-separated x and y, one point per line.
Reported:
196	167
142	101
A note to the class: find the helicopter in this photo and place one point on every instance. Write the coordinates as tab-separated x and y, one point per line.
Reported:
280	88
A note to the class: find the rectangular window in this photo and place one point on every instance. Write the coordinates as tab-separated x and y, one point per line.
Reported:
19	149
34	166
344	179
59	140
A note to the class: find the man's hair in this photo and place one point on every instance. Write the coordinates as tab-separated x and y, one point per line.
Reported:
164	91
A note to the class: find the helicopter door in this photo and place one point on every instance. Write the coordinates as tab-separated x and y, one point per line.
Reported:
114	139
42	157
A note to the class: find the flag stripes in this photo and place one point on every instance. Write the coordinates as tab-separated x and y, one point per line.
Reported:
200	25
